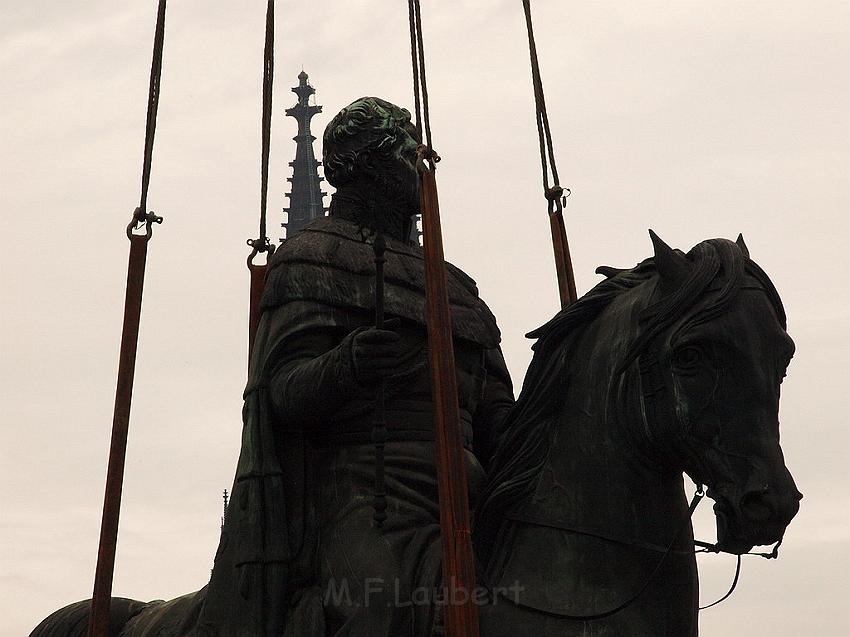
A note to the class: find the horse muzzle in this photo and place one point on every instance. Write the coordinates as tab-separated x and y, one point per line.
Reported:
757	518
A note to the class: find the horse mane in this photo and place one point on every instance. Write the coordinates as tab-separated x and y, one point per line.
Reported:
523	451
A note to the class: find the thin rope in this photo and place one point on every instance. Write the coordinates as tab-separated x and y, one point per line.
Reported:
413	63
421	49
141	213
153	102
420	84
262	243
544	133
268	81
554	193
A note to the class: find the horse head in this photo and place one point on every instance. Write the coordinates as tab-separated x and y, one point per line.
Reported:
710	376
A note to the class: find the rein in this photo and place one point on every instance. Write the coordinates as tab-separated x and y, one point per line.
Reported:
706	547
699	494
702	547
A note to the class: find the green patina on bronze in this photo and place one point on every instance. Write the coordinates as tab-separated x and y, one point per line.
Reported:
369	155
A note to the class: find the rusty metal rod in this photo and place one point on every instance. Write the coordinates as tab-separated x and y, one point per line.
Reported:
563	261
99	617
461	614
258	281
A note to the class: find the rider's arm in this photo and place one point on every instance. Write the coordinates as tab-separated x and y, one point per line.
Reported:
492	410
313	377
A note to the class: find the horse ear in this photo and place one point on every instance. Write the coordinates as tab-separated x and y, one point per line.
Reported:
608	272
672	266
742	245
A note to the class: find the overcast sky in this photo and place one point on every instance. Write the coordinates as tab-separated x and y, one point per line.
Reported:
697	119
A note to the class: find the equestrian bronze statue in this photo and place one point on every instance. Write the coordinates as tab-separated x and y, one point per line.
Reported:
673	366
582	521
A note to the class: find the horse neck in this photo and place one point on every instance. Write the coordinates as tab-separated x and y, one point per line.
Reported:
615	490
613	486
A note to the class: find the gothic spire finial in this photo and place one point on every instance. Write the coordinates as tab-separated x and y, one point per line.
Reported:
305	195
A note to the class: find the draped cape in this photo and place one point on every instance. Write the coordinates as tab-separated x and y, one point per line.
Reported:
259	566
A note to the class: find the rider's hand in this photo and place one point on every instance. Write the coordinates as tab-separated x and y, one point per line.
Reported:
376	353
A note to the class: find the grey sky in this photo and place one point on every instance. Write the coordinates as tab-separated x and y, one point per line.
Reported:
695	119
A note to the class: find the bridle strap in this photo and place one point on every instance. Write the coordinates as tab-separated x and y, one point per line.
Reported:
712	548
563	526
706	547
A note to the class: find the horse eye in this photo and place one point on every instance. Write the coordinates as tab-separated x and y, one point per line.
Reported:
687	357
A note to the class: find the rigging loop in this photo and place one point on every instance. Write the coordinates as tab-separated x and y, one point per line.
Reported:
556	192
138	218
426	154
557	202
263	244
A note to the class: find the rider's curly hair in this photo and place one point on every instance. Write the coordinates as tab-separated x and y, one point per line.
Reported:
362	136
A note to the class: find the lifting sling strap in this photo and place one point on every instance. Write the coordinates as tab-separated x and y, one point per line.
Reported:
101	597
461	619
262	243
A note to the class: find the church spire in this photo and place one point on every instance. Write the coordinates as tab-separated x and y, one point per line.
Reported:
305	196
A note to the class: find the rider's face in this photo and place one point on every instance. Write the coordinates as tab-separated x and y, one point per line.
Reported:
409	142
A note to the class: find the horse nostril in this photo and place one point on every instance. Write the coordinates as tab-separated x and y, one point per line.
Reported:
755	506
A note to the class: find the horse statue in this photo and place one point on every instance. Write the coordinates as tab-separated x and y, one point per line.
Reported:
673	366
584	527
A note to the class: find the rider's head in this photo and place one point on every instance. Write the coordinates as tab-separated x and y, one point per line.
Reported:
370	157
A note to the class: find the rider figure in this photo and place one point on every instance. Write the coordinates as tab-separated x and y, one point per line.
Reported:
305	534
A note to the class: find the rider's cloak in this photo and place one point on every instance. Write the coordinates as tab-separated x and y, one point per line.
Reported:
318	279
